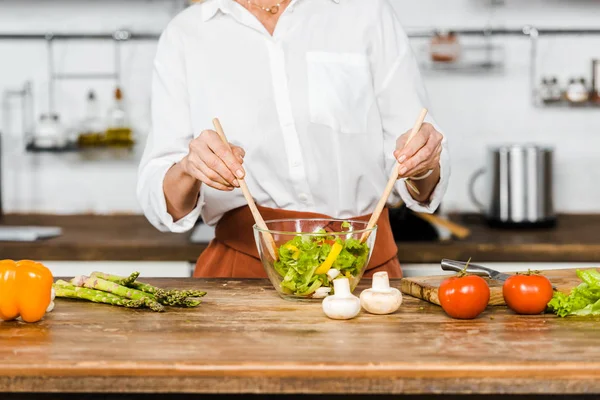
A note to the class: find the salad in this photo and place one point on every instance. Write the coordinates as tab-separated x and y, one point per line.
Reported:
308	264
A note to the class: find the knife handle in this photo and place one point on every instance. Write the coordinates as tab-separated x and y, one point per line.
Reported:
457	266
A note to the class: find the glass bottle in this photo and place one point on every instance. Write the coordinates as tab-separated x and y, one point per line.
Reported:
545	91
118	132
556	93
92	129
577	92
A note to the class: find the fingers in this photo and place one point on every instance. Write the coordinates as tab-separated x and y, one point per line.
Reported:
239	153
214	162
428	145
197	173
409	149
223	152
400	142
430	162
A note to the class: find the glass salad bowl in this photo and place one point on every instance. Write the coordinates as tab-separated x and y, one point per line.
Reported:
302	257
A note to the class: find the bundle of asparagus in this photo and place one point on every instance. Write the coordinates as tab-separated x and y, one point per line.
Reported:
125	292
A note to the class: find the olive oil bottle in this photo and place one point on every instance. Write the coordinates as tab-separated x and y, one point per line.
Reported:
92	131
118	132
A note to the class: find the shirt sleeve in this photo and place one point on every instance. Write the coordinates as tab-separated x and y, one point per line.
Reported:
400	96
170	134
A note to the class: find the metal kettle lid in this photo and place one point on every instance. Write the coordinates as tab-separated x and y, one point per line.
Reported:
522	147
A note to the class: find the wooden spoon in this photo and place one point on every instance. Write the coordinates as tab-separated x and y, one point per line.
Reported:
260	222
392	180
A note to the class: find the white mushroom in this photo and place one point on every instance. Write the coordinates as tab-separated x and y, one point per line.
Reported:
321	292
333	273
342	304
381	298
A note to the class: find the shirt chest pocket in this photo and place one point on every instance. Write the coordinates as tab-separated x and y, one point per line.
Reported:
340	90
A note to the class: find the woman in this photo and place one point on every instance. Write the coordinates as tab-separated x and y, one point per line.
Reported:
315	96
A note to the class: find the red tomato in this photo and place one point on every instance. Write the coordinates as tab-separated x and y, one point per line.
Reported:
464	297
528	293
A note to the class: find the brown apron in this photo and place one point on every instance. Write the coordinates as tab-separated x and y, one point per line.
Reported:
233	254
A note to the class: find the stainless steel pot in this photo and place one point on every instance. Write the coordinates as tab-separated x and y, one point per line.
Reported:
519	188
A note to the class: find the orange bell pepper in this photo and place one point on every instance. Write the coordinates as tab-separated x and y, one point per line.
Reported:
25	290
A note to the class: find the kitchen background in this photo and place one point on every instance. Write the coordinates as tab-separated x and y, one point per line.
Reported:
485	100
476	108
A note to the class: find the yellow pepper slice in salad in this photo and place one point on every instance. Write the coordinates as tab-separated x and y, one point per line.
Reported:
294	249
335	251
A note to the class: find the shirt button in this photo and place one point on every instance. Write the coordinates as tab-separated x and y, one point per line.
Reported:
303	197
295	163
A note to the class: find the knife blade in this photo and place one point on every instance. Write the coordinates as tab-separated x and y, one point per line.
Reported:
457	266
452	265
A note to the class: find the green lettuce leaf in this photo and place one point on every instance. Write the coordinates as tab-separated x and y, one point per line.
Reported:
590	309
583	300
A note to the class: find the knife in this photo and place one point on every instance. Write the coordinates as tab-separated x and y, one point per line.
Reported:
451	265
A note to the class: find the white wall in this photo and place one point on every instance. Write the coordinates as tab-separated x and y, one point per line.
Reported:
475	111
482	110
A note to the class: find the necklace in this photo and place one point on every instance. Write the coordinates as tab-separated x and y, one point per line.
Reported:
274	9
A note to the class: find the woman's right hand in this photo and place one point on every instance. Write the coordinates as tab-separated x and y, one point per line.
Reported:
211	162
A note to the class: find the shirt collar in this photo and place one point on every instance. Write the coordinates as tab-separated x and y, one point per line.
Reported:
211	7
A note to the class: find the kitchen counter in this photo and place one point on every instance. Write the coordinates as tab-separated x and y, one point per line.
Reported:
132	238
245	339
100	238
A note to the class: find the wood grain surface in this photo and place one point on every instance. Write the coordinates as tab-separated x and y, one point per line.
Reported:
100	238
574	239
245	339
426	288
132	238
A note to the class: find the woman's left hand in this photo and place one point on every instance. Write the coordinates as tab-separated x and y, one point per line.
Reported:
421	154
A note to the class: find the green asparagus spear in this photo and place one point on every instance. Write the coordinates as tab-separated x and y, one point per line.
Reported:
182	298
193	293
121	280
119	290
158	292
191	302
96	296
144	287
171	297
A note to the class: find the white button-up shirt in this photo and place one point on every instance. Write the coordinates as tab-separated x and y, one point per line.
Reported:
317	106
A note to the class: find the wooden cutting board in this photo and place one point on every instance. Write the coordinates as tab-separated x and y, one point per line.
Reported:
426	287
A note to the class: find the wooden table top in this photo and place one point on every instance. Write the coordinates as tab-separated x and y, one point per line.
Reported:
245	339
132	238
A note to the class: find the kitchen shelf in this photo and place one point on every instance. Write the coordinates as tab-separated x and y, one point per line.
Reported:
120	36
32	148
74	152
523	32
565	104
126	35
462	67
473	58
